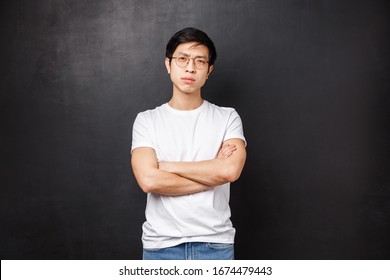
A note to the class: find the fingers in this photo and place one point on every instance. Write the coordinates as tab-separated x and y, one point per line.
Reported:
226	151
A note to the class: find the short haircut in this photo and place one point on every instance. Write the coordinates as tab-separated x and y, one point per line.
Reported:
191	34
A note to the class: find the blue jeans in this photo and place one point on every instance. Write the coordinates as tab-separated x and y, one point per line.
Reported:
192	251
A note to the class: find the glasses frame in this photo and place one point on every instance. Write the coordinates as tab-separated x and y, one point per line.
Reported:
188	61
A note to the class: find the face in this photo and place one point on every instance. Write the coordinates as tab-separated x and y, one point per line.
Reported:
188	79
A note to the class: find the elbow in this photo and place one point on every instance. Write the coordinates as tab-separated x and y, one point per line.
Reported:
233	177
145	189
146	185
232	174
233	170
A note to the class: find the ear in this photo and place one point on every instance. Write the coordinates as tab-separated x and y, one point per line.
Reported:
211	68
168	65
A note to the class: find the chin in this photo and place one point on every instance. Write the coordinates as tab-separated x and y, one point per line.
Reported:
188	90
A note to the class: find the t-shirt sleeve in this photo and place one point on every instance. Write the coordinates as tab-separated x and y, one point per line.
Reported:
142	133
234	127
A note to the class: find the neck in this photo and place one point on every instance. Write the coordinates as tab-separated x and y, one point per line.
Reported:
185	101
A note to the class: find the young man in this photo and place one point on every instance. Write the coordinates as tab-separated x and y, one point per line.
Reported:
185	153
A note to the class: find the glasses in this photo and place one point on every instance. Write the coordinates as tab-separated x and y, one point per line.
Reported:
182	61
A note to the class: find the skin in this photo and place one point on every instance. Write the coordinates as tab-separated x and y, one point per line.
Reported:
187	94
182	178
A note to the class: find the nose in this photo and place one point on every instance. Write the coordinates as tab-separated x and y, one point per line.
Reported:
191	66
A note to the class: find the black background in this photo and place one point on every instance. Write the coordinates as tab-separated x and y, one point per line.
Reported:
310	80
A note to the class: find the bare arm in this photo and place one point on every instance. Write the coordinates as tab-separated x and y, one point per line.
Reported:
152	179
225	168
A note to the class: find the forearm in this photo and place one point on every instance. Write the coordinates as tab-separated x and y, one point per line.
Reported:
153	180
209	172
226	167
165	183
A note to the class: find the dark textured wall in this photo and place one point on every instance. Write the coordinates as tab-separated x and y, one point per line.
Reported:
310	80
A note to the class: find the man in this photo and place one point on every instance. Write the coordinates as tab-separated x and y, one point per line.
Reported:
185	153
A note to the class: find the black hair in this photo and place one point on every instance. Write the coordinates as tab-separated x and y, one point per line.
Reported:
191	34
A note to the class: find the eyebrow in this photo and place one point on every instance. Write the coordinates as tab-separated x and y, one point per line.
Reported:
198	56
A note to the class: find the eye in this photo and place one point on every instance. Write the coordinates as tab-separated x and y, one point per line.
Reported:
182	59
200	62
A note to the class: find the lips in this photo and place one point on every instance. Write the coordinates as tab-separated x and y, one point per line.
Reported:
188	79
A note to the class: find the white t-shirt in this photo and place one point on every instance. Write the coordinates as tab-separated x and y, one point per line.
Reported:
193	135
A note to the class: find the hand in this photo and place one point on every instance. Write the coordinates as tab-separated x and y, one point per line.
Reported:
226	151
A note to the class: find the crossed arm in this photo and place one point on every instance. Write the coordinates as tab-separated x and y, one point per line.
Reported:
180	178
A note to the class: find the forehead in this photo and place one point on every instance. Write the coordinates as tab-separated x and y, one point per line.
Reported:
192	49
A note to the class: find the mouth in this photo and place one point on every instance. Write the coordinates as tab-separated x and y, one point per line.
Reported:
188	80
